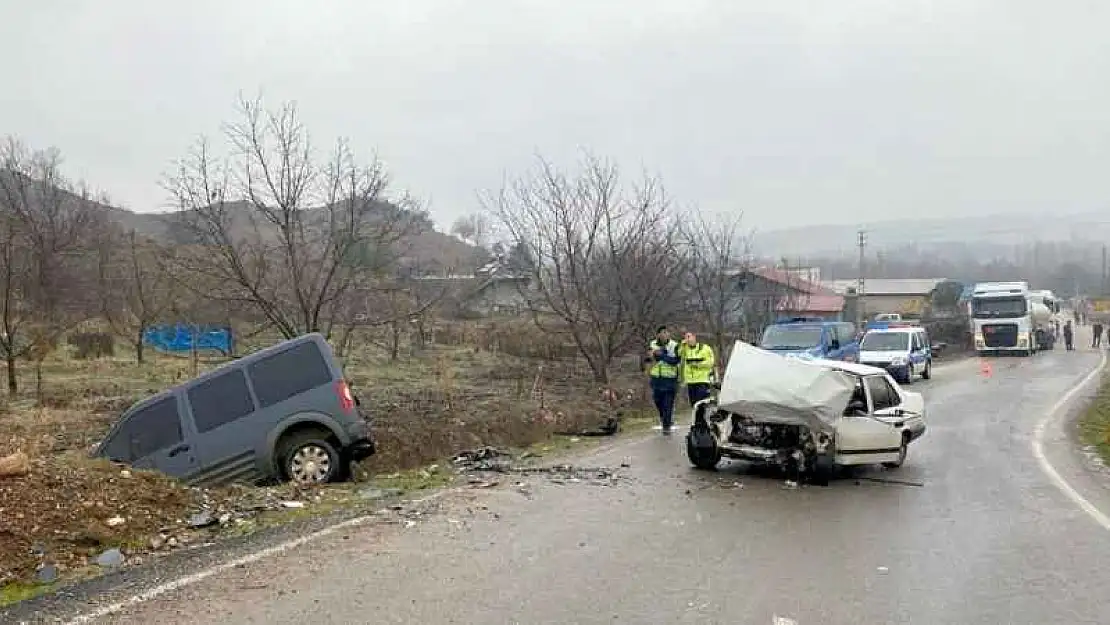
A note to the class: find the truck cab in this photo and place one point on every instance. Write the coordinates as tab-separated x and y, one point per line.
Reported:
1003	318
806	337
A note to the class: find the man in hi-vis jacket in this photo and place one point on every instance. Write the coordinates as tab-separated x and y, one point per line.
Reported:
697	367
663	360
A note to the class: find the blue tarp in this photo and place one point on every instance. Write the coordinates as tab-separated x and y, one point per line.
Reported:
179	338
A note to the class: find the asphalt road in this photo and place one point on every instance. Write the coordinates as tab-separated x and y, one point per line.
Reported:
987	539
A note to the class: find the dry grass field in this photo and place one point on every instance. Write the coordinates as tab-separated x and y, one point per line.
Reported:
424	407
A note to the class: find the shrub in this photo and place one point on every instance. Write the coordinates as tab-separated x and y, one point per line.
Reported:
93	345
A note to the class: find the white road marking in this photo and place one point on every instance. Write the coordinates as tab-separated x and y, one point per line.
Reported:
193	578
1038	449
782	620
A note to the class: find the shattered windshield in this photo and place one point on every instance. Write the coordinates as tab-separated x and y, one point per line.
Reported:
885	342
998	307
791	337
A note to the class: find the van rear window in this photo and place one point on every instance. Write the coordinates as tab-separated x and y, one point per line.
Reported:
292	372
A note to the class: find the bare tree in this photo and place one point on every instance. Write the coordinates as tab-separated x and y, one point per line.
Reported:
53	218
719	253
136	288
606	263
274	228
404	307
474	229
16	310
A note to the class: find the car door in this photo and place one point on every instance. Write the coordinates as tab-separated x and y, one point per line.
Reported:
869	439
155	437
906	410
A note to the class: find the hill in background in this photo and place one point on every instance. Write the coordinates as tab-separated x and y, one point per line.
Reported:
986	236
427	247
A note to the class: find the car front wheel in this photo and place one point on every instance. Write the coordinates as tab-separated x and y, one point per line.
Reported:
705	457
927	374
309	458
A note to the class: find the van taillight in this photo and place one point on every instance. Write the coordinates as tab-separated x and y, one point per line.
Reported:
346	399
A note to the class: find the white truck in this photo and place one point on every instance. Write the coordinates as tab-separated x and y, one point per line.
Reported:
1046	322
1007	317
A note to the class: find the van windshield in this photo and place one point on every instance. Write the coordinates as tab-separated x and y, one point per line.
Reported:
885	342
791	337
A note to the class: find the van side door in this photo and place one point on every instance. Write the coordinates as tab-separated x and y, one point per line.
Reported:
918	353
155	437
230	435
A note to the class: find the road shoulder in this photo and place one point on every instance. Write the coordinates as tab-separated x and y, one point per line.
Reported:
1073	460
178	569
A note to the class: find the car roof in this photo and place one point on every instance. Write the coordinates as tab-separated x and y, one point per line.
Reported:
896	330
854	368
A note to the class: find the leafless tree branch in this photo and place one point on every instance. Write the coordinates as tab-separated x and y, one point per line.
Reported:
287	234
604	259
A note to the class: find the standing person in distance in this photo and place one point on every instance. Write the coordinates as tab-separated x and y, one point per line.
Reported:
1096	340
663	361
697	367
1069	335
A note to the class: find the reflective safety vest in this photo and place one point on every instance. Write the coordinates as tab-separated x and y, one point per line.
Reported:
660	369
697	363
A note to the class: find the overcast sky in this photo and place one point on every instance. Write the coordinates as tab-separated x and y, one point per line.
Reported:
837	111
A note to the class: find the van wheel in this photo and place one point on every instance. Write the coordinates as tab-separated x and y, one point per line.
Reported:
309	458
902	451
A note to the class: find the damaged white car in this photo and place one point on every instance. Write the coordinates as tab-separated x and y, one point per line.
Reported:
807	416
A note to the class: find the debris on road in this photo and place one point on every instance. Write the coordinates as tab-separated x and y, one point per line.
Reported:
15	465
110	558
885	480
483	459
491	460
46	574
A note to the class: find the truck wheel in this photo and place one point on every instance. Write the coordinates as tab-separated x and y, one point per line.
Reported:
902	451
927	374
704	457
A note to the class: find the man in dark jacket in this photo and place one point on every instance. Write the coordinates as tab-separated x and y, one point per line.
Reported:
663	360
1096	329
1068	335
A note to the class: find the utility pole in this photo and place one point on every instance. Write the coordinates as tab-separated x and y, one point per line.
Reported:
861	240
1102	291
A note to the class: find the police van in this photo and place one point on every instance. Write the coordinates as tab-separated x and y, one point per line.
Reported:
903	350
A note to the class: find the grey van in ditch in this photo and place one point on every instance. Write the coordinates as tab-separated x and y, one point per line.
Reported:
284	412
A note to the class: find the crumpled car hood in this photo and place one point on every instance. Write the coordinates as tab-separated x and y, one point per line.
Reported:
775	389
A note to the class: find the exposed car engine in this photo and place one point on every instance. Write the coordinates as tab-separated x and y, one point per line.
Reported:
746	431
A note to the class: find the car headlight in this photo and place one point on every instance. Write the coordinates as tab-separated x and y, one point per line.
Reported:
899	361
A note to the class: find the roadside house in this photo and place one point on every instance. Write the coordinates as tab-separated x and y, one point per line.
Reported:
883	295
769	293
